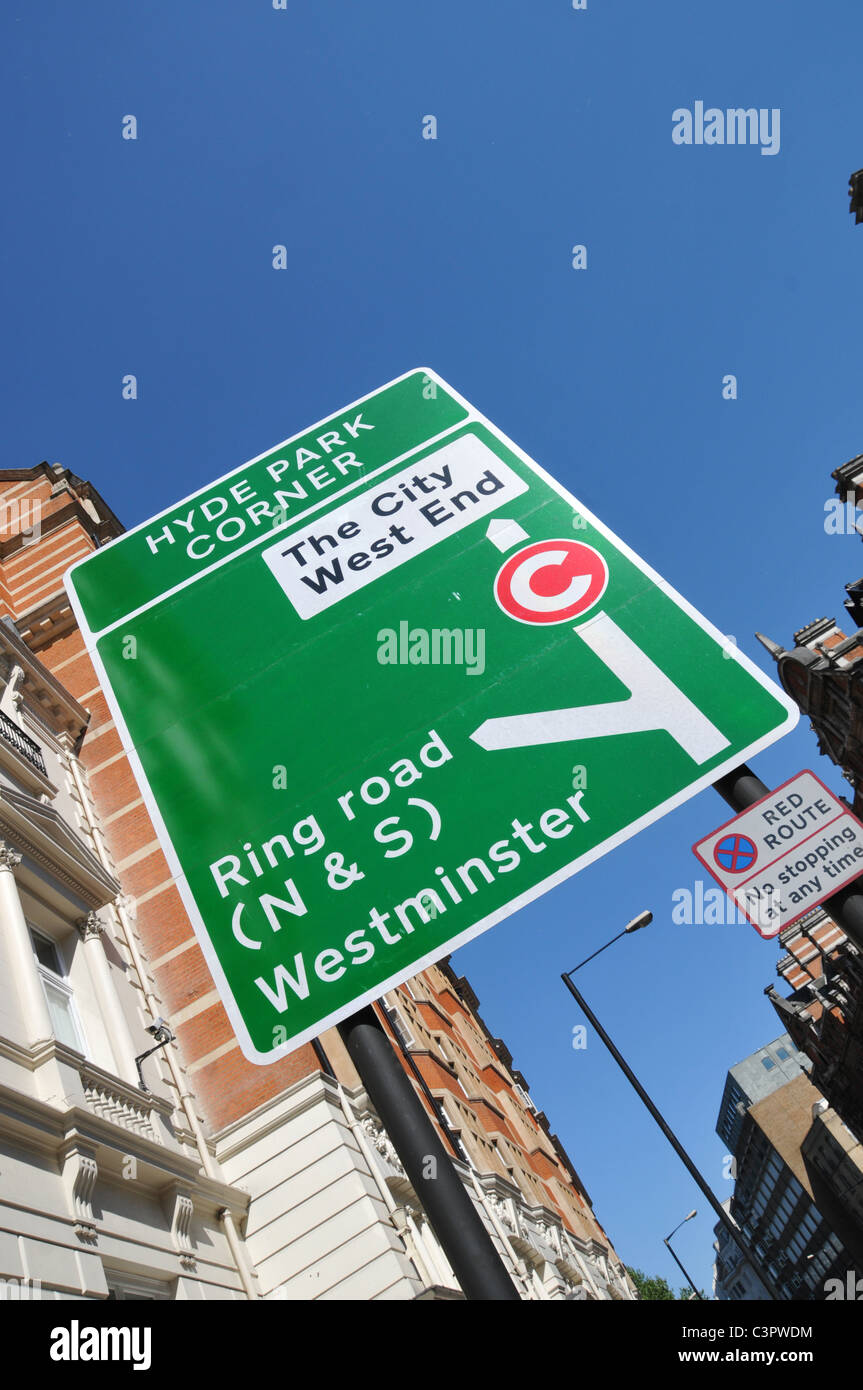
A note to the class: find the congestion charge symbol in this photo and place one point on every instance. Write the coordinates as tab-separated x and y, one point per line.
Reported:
734	853
551	581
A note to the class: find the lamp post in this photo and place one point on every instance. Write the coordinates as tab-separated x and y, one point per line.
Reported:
667	1242
643	920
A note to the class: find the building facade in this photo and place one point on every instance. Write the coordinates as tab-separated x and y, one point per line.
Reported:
757	1076
735	1278
106	1190
824	1010
222	1179
769	1112
823	964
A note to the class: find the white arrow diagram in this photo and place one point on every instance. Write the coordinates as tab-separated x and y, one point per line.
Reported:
654	703
505	533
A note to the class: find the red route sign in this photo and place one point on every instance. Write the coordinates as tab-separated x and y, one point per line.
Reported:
785	853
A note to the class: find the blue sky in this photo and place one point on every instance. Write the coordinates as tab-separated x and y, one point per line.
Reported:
304	127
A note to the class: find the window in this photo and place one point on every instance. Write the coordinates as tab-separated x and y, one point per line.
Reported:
524	1097
774	1167
137	1287
451	1114
785	1207
461	1086
768	1063
783	1054
810	1223
58	994
399	1028
776	1225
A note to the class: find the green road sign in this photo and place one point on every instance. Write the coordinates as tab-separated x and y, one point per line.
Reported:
386	684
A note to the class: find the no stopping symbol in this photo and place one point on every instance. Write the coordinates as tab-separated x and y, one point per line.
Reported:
735	853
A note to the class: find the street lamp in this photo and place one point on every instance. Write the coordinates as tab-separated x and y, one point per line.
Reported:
667	1242
731	1227
643	919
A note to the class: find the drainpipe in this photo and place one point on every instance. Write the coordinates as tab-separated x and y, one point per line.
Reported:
246	1277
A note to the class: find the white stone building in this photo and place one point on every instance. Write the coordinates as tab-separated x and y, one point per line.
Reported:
108	1190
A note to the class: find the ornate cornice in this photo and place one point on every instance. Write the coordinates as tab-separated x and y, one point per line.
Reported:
43	835
375	1132
8	858
84	504
51	619
56	706
89	928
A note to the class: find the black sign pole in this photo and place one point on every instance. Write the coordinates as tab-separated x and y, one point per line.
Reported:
450	1210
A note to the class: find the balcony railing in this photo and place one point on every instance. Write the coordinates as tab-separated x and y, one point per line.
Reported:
117	1105
22	743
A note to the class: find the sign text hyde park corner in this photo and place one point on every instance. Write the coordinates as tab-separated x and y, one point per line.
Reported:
335	822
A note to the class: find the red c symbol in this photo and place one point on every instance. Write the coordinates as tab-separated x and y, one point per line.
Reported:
551	581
